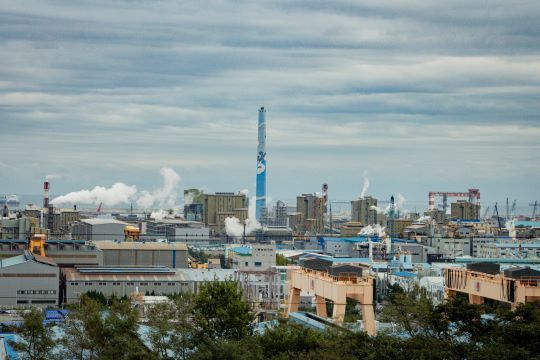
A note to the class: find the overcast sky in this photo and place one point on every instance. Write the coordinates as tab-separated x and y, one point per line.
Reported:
415	95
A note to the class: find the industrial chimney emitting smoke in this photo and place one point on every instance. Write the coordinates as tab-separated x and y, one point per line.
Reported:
261	166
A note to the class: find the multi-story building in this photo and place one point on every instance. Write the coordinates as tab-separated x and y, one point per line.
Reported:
219	206
362	211
312	209
396	227
465	210
281	214
254	257
19	228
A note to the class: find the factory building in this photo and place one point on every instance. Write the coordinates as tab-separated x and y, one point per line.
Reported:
255	257
361	211
190	232
465	210
17	228
98	229
396	227
28	279
312	210
127	280
219	206
64	253
171	255
194	208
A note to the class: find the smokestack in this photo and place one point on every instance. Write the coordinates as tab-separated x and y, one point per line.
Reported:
46	195
261	166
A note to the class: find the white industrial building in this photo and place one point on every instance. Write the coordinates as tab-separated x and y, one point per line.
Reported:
98	229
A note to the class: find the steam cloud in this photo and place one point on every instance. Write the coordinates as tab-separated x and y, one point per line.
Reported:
53	176
371	230
398	205
164	197
233	227
424	219
365	187
119	193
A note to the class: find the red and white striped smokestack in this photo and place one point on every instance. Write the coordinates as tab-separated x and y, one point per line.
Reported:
46	195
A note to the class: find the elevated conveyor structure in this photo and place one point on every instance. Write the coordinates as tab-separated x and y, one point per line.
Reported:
479	285
334	288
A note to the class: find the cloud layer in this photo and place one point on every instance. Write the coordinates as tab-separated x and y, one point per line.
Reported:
426	95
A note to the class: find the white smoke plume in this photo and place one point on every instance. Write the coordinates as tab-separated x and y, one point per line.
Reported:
163	197
188	199
424	219
53	176
119	193
233	227
371	230
365	187
162	214
398	205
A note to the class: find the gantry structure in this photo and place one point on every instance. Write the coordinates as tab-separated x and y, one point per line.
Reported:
337	289
479	285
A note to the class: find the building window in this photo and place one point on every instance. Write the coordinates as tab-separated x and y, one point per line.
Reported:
74	283
157	284
258	263
143	284
247	264
130	284
102	284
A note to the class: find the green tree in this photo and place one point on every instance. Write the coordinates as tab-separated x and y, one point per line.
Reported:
221	311
94	332
81	330
37	340
172	330
281	260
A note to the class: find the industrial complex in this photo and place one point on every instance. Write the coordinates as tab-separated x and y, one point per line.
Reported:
288	259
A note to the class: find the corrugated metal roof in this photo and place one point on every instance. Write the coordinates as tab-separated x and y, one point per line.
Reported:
15	260
133	245
102	221
202	275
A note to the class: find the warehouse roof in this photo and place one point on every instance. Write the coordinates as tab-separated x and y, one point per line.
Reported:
134	245
25	257
102	221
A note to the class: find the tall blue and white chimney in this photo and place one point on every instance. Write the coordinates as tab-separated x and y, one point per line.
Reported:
261	166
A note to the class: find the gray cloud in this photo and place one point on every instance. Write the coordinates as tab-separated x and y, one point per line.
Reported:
432	91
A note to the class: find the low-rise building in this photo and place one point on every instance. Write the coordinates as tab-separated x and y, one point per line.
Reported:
28	280
64	253
130	253
98	229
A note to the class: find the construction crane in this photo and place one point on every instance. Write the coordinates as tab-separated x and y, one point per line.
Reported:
498	218
513	209
507	210
472	194
486	212
98	210
535	206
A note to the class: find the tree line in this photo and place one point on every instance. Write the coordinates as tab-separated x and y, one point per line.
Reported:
217	323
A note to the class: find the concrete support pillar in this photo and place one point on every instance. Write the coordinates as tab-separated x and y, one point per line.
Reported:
320	305
339	311
294	301
368	317
476	299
